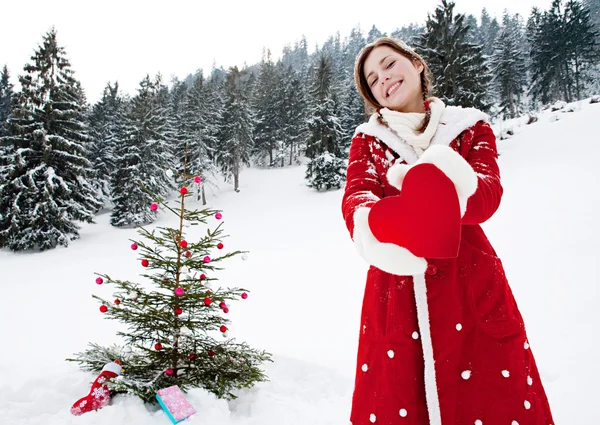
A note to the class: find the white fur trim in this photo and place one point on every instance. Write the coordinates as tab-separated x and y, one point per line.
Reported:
456	168
454	121
112	367
431	392
396	174
388	257
384	134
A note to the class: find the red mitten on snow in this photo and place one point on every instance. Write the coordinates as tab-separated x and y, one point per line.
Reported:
424	218
99	395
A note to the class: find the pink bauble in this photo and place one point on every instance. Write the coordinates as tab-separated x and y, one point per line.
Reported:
244	295
99	281
222	304
134	246
153	206
198	179
179	292
225	310
207	259
218	216
169	372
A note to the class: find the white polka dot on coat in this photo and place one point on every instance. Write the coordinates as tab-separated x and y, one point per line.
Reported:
529	380
415	335
403	413
505	373
527	405
365	367
466	374
390	354
458	327
373	418
478	422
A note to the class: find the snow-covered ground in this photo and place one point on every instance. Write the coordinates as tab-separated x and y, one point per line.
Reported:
306	284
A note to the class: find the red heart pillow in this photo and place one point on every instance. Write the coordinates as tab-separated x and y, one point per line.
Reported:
424	218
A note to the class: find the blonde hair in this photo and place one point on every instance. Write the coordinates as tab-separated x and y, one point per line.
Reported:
402	48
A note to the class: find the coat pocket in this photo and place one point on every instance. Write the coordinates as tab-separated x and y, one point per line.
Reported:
490	297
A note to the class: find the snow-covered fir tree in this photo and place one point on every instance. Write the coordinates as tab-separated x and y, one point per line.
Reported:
409	33
293	116
324	143
200	128
326	172
487	32
143	158
374	34
235	131
593	6
459	67
106	129
6	97
267	103
47	188
509	67
563	47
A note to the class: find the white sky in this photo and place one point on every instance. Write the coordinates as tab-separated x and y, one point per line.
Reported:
124	40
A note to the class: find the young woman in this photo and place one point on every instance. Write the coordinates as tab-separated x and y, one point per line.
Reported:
441	340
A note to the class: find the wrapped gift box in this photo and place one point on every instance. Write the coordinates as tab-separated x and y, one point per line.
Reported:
175	404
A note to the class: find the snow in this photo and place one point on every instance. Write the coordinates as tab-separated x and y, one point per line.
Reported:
305	284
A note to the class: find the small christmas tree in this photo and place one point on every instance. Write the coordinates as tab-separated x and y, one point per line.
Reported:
326	172
176	324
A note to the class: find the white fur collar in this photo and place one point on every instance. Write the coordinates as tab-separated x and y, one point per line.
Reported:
454	121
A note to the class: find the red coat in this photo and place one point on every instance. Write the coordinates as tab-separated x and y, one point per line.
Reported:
441	342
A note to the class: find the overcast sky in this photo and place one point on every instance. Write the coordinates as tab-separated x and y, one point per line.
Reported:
125	40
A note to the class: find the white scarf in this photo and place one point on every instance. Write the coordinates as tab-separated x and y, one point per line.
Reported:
405	124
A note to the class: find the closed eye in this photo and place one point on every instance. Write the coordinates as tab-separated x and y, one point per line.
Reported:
373	82
391	64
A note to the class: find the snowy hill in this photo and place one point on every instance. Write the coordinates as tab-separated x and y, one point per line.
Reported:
306	284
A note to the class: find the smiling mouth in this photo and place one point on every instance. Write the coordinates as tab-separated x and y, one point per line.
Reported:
393	88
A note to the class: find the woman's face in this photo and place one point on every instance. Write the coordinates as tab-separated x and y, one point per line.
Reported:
394	80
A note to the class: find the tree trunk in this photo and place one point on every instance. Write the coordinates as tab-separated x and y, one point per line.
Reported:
291	152
203	195
577	77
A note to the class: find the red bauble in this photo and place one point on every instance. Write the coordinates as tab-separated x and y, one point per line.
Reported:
211	353
169	372
117	301
99	280
103	308
178	311
225	310
192	356
222	304
208	291
145	263
158	346
207	301
202	276
188	254
183	244
223	328
244	295
183	190
220	245
134	246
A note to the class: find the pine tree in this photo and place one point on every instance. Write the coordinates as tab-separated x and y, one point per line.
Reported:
326	172
374	34
143	159
47	182
6	97
409	34
293	115
235	133
106	130
593	6
583	42
324	126
176	328
487	32
459	67
267	106
509	67
199	118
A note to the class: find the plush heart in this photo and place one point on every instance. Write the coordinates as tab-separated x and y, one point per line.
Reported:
424	218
